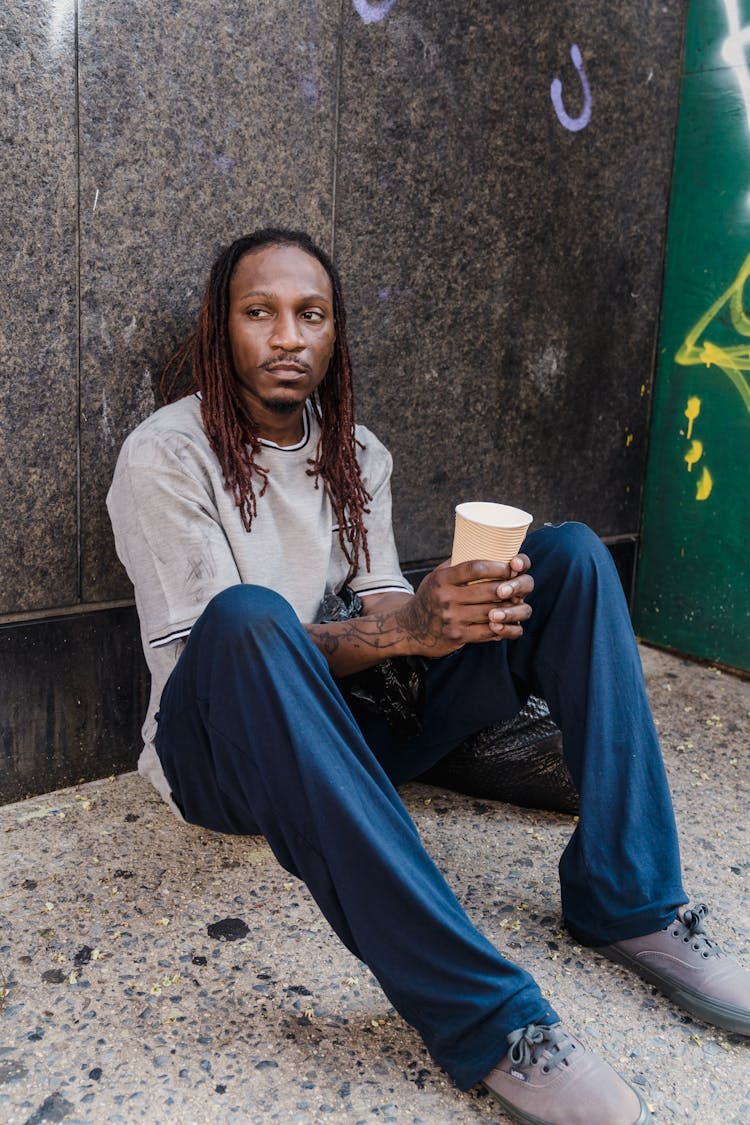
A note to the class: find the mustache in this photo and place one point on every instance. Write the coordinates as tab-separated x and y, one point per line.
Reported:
284	361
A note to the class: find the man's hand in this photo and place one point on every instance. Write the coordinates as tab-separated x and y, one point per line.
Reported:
454	606
467	604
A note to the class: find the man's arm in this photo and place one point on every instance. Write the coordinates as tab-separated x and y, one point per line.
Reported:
470	603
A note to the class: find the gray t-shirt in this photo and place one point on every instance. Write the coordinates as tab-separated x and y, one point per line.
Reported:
179	534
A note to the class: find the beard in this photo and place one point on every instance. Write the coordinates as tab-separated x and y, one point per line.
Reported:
280	405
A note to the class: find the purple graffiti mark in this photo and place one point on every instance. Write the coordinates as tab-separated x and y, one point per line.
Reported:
373	12
309	85
574	124
219	159
222	162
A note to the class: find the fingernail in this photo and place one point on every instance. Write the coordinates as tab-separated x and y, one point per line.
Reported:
506	591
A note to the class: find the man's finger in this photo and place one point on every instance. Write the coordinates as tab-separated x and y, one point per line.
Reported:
510	631
479	593
476	634
520	564
481	570
490	593
516	588
516	615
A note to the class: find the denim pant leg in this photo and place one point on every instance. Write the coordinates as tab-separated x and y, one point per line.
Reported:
254	735
620	873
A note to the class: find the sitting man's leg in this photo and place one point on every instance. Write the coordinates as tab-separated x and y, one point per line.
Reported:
620	873
255	736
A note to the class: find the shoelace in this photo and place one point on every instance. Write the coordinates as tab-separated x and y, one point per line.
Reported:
690	929
528	1044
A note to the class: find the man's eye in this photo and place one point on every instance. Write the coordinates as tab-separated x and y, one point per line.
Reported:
312	314
255	313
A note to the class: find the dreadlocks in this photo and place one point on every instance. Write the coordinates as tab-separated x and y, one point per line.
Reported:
231	430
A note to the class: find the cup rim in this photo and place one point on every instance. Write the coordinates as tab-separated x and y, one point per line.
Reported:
478	511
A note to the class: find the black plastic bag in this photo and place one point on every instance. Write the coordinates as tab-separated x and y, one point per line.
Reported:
393	688
519	761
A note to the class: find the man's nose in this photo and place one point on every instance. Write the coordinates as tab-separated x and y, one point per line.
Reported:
287	332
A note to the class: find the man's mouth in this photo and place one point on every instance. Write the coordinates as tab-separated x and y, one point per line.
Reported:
286	367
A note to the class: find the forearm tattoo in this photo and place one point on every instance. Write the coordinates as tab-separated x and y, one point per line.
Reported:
379	635
377	632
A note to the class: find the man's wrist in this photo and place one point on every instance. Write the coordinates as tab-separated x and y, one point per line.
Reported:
412	623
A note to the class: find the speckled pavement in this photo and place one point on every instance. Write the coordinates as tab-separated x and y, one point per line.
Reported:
119	1006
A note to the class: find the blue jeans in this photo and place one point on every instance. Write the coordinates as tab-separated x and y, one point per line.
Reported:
255	736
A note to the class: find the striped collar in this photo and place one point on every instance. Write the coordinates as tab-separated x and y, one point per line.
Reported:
285	448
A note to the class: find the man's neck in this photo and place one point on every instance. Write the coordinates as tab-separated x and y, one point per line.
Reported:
281	429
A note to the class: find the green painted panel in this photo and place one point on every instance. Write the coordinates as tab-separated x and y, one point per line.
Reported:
693	590
714	27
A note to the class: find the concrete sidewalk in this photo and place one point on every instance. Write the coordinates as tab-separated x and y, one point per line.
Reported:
119	1004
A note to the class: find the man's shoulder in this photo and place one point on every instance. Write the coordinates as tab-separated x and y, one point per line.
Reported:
365	437
169	429
372	455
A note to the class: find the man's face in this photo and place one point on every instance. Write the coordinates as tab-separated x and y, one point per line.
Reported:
281	328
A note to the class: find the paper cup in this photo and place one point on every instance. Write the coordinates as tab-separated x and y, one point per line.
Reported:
488	531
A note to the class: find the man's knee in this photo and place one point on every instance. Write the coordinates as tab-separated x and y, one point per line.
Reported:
571	545
245	606
575	538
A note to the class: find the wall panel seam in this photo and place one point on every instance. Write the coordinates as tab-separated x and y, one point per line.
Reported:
76	57
336	121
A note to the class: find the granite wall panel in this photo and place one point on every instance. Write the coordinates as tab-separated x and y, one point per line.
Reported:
503	268
199	122
38	326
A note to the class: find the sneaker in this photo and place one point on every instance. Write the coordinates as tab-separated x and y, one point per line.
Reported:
549	1078
684	963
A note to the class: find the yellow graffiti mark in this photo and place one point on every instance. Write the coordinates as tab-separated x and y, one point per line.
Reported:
695	450
704	486
629	440
693	454
734	361
692	412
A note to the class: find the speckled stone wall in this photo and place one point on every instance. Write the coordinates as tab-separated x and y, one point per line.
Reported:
505	267
38	309
500	239
221	120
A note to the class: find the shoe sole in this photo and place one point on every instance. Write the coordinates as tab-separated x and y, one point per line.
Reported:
714	1012
522	1118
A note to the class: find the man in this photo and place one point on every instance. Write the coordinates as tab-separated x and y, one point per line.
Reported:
235	510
